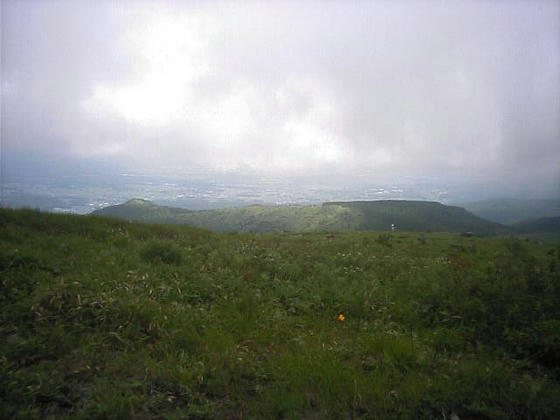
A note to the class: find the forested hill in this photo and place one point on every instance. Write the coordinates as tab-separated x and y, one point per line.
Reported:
420	216
412	216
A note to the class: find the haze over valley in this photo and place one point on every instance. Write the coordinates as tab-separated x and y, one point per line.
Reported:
216	104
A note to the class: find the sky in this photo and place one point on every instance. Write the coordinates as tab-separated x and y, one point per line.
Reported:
458	90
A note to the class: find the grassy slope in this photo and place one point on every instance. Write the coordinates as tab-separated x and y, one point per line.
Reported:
241	219
276	219
344	216
143	210
103	318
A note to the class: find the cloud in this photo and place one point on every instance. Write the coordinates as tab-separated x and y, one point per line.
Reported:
452	88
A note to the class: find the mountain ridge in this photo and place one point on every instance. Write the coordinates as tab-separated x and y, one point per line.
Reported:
381	215
541	224
509	211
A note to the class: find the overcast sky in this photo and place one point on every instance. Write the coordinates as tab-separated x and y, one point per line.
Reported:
458	89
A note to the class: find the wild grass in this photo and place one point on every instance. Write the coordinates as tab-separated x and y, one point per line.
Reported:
107	319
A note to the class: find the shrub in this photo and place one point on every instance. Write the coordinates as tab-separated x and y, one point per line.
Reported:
161	252
385	240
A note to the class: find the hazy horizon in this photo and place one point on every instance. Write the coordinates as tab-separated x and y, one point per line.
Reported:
443	100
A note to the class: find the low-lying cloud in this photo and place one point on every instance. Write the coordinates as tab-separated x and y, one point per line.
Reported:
463	89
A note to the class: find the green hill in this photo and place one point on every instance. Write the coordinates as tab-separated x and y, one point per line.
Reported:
241	219
509	211
143	210
342	216
102	318
419	216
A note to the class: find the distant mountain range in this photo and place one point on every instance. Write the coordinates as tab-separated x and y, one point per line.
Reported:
380	215
509	211
541	225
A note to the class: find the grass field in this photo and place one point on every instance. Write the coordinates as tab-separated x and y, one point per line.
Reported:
107	319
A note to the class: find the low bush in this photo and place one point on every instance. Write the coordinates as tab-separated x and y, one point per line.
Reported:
161	252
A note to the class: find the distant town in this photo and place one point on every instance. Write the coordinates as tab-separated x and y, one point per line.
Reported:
86	194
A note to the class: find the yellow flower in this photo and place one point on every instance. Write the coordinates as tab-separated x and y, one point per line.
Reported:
340	317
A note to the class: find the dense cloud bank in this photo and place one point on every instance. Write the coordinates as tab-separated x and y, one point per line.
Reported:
445	89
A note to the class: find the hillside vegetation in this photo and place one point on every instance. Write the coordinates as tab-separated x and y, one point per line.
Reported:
544	224
419	216
102	318
510	211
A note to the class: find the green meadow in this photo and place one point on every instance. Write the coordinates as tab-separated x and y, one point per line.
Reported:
103	318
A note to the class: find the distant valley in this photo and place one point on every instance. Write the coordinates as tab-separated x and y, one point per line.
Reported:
510	211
